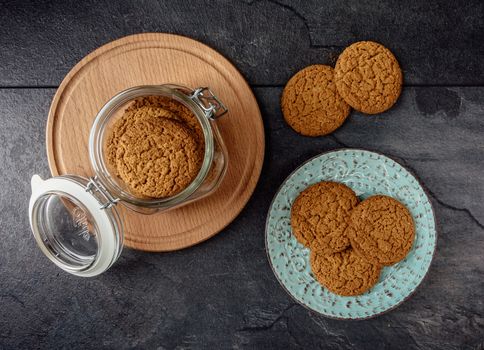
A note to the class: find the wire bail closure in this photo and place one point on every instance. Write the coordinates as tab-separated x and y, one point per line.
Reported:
208	102
95	186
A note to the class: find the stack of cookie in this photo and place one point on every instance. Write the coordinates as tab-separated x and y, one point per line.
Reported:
156	148
318	99
350	241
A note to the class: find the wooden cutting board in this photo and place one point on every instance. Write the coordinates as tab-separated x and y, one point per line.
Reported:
158	58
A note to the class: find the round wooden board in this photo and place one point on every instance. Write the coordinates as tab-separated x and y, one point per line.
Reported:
157	58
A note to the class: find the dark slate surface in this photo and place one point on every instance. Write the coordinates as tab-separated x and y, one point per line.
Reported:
222	293
437	42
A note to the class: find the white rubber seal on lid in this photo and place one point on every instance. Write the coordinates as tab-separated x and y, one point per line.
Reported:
107	231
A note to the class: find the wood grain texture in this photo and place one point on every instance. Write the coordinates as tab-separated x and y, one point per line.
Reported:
150	59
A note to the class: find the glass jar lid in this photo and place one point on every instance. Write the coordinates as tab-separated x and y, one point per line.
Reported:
75	224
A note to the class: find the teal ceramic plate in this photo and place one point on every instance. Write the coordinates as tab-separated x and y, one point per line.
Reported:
367	173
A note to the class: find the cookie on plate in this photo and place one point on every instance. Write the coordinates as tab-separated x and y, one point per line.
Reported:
343	273
368	77
311	104
158	157
381	230
322	212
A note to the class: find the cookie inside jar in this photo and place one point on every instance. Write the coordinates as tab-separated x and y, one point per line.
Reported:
155	147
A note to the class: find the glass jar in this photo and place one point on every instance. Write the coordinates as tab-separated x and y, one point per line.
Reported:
74	219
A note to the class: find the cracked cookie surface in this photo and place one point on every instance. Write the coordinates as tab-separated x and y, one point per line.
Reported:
157	157
176	109
368	77
321	213
343	273
311	104
130	117
381	230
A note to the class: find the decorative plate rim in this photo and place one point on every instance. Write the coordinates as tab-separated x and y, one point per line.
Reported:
436	230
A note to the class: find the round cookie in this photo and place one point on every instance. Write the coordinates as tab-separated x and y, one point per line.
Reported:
177	109
157	157
129	118
311	104
322	212
381	230
368	77
344	273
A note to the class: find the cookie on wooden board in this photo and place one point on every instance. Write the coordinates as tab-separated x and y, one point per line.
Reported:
311	104
368	77
381	230
343	273
158	157
322	212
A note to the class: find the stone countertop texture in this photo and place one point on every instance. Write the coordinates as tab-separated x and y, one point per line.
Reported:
222	294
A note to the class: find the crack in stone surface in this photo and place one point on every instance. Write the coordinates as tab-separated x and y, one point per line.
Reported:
161	272
303	20
14	298
337	140
451	207
282	316
340	337
436	198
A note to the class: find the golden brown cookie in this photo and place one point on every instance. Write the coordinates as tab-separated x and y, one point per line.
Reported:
368	77
176	108
322	212
157	157
381	230
128	119
311	104
344	273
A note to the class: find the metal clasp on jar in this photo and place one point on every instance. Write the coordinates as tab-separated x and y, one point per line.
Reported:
94	185
208	102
